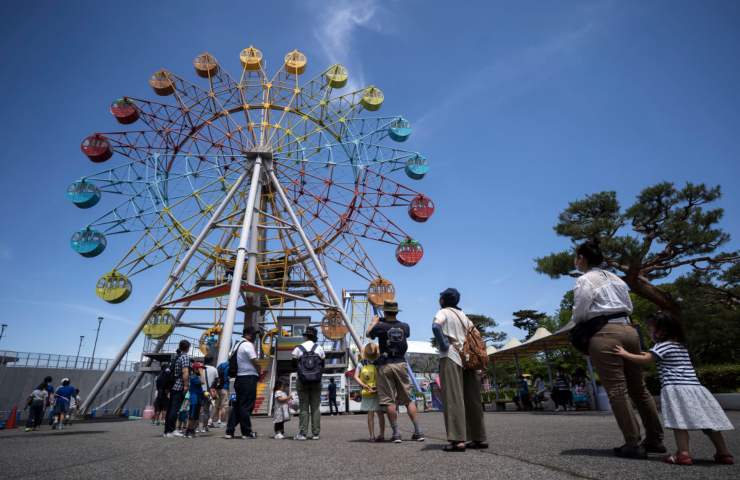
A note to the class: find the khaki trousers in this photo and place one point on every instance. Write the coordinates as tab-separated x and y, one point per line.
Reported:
463	408
623	380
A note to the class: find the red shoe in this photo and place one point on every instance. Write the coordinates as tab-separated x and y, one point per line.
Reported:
724	459
679	459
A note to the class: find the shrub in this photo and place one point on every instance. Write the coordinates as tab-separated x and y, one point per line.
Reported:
717	378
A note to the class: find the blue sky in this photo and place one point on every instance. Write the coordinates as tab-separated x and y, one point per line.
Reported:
520	107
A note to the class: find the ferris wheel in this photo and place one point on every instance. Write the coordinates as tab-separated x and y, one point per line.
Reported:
244	187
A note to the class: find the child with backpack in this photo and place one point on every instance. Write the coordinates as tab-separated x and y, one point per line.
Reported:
280	410
685	403
366	375
36	403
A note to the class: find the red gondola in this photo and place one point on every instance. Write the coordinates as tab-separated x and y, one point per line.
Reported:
409	252
124	110
97	148
421	208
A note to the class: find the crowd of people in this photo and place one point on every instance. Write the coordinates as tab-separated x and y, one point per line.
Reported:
193	396
61	404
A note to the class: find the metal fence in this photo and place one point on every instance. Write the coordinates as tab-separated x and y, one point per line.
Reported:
50	360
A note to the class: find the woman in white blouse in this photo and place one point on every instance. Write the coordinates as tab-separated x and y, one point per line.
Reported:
600	293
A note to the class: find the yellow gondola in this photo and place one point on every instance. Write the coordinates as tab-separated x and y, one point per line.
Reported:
372	98
251	58
337	76
295	62
160	324
113	287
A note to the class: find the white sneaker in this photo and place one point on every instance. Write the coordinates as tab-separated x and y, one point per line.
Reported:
177	434
300	436
279	436
315	437
168	435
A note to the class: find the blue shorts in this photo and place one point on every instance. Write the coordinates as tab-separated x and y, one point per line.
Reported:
195	402
60	407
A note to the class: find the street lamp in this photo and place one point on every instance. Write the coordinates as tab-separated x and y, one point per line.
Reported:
2	330
79	347
95	345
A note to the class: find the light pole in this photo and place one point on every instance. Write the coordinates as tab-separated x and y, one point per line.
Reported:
95	345
2	330
79	347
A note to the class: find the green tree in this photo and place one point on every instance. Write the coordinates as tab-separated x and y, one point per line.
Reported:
529	321
665	230
487	327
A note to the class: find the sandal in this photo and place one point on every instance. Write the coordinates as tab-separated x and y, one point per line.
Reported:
477	445
724	459
453	447
679	459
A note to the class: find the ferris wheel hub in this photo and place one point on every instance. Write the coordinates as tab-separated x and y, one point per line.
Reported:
265	153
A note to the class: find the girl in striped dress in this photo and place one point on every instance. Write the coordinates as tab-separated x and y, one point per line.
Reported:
686	404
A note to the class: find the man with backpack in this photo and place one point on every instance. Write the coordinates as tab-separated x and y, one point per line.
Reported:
393	382
178	382
309	361
244	369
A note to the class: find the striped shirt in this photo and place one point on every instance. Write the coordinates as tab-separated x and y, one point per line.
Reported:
674	364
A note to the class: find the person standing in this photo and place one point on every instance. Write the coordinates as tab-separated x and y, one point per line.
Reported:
245	385
220	413
561	391
210	394
280	410
463	409
366	375
394	383
161	400
600	295
309	362
332	391
181	376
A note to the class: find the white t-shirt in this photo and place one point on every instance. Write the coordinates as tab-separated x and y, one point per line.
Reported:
308	344
245	357
599	292
210	375
454	327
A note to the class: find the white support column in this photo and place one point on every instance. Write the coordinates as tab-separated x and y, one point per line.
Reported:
167	286
241	252
320	268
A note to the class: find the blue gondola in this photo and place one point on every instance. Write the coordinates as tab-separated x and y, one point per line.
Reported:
83	194
399	130
88	242
417	167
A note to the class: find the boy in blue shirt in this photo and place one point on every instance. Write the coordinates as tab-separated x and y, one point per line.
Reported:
196	398
63	396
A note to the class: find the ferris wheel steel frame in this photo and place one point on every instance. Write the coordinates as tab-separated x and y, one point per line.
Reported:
319	182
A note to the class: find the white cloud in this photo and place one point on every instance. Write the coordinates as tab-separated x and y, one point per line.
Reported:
337	22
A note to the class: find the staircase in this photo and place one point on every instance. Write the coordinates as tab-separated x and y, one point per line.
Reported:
263	403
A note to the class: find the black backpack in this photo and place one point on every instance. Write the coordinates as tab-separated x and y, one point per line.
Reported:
168	375
396	341
233	365
310	365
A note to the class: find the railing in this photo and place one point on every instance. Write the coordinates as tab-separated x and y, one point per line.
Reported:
50	360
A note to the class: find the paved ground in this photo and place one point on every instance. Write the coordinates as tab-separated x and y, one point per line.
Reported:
523	445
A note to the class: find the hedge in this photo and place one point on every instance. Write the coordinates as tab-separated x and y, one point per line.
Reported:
717	378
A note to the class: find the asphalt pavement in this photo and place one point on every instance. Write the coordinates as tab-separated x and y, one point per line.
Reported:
522	445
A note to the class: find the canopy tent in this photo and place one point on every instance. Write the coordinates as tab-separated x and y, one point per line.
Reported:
541	341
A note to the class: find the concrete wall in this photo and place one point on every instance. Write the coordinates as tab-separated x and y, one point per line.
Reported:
18	382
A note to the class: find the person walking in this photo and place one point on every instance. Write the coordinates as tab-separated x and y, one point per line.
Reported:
601	297
36	403
685	403
366	375
463	408
63	397
245	385
394	383
308	359
332	395
196	397
181	376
